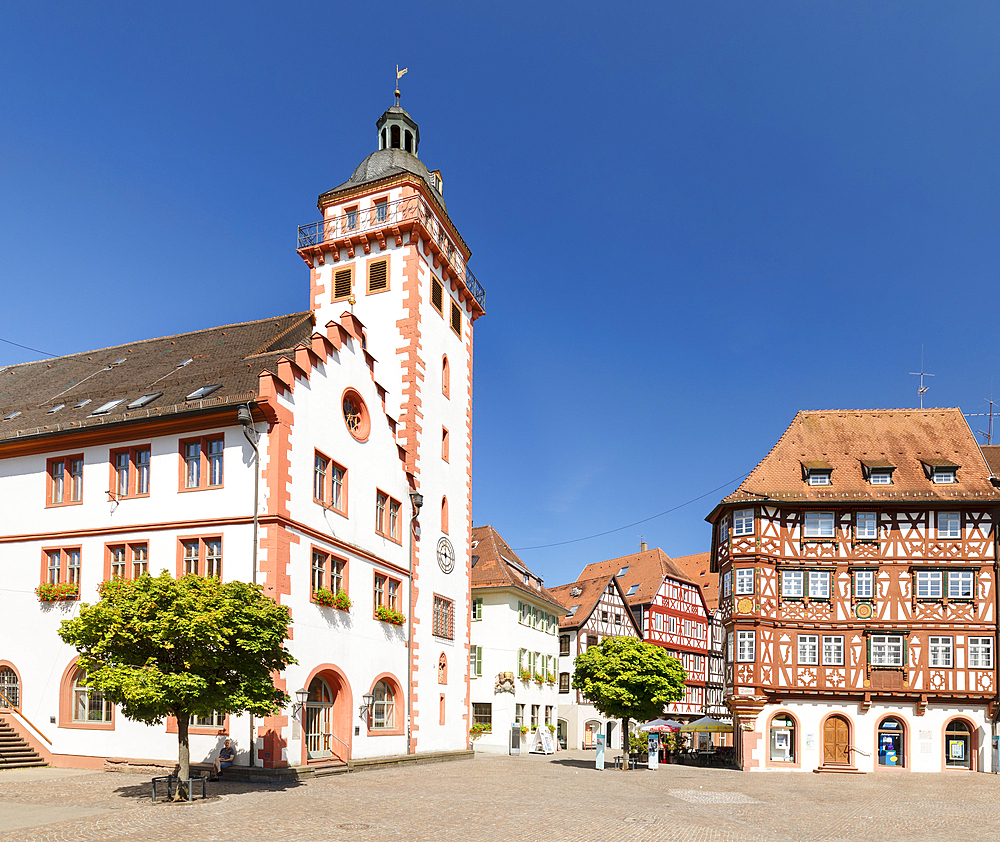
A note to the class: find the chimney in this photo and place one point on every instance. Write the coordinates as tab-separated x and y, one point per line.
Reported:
643	546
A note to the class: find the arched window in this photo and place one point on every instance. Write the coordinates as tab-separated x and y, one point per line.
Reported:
443	669
383	139
890	742
89	705
10	687
782	738
409	141
394	135
445	377
958	745
383	708
444	515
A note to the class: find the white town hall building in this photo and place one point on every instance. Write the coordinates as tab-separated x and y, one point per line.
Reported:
141	458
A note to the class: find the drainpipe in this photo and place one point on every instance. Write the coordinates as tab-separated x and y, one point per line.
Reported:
245	417
417	501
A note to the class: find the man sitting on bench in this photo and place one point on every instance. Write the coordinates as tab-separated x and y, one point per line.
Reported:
224	760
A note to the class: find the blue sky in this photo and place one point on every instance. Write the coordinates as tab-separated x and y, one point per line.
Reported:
691	219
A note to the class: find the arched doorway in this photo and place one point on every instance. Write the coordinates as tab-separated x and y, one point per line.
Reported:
562	730
10	687
958	745
836	741
319	719
327	717
590	732
610	732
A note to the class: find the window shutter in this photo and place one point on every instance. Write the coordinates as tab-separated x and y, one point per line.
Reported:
520	661
342	283
456	318
378	275
436	297
520	612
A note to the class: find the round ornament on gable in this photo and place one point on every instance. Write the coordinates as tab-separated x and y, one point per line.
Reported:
446	555
863	611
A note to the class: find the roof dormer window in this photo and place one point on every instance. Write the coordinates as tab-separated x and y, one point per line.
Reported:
877	472
817	473
941	471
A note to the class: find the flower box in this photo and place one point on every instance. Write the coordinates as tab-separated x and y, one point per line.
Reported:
525	675
387	615
57	593
328	598
480	728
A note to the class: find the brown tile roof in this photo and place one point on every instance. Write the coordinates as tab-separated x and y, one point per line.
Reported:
496	565
590	592
645	569
230	355
696	569
992	454
909	439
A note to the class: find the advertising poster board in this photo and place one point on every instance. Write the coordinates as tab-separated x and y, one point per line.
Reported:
654	752
542	742
599	763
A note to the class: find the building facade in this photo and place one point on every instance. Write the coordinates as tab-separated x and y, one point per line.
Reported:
514	661
596	610
857	568
322	452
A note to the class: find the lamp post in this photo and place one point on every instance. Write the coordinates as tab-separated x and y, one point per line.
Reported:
369	701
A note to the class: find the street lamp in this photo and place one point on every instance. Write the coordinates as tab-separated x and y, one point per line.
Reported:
365	710
301	696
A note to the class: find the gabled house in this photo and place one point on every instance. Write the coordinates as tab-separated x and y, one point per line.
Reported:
595	609
514	656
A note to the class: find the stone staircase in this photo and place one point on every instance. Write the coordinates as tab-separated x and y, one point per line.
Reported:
14	751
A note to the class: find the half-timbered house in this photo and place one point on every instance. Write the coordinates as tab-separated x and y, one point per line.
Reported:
857	568
671	612
596	609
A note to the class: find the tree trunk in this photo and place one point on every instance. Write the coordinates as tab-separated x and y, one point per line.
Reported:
183	755
626	743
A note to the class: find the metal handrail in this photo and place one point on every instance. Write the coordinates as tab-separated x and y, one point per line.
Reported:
17	710
315	739
386	215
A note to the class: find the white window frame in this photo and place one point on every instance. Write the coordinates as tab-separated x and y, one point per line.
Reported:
743	522
746	646
821	477
808	645
886	650
744	580
956	579
819	525
981	653
949	525
475	661
819	584
833	650
792	584
944	476
727	583
940	651
864	584
866	526
729	648
880	476
930	584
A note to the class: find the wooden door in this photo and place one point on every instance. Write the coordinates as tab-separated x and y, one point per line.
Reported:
836	741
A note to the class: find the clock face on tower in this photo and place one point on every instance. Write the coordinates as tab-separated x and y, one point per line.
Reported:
446	555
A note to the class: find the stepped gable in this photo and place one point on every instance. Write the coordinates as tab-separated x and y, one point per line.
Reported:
646	569
496	565
845	440
696	569
590	593
230	356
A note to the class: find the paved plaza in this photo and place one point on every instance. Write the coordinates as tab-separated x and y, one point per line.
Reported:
555	798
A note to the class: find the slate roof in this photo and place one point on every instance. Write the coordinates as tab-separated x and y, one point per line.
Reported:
590	593
496	565
385	163
231	356
696	569
908	439
645	569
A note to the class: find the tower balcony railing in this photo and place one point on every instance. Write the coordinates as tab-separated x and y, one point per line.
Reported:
388	215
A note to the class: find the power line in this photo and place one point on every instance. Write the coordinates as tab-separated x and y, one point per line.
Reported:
29	348
630	525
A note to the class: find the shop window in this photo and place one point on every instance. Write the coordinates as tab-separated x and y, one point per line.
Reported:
782	738
958	745
890	743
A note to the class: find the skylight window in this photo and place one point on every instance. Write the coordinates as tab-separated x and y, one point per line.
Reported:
56	408
82	403
572	610
632	589
145	399
12	415
623	571
105	408
204	391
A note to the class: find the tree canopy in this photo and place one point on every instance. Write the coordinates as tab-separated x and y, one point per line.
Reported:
159	646
627	679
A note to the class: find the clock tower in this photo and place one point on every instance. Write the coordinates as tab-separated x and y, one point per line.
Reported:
387	257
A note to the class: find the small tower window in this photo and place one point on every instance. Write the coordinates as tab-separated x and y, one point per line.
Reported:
445	377
409	141
394	134
383	139
444	515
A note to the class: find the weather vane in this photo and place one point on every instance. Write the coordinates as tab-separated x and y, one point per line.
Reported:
399	75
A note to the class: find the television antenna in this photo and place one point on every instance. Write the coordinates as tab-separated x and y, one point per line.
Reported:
922	374
988	432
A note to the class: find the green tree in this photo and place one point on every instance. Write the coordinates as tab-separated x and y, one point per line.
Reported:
159	646
628	679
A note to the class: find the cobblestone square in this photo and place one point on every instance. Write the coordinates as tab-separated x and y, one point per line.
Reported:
560	797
